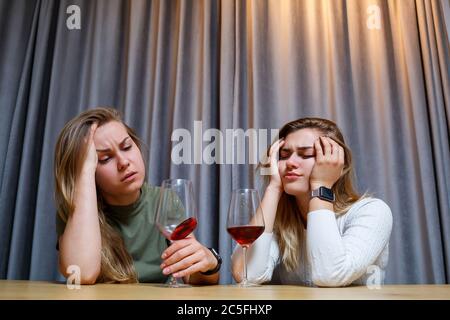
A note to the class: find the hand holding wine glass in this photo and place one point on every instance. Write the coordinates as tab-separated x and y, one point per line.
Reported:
245	222
176	216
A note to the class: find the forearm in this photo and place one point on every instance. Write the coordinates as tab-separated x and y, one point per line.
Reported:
326	247
326	251
339	259
318	204
81	242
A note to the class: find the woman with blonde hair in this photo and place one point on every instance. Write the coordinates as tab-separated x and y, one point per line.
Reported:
319	231
105	210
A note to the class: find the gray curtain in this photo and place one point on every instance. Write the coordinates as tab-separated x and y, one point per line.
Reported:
231	64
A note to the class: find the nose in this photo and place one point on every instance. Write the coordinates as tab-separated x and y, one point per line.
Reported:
292	162
122	162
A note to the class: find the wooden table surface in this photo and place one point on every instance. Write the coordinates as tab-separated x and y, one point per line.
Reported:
38	290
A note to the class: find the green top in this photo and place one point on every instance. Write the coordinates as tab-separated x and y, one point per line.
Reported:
144	242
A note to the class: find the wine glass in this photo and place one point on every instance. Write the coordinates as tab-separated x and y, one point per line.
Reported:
245	223
176	215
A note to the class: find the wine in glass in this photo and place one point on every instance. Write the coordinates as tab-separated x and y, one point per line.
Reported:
245	223
176	215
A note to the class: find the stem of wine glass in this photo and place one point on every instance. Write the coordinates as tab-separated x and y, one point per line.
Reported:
244	280
172	281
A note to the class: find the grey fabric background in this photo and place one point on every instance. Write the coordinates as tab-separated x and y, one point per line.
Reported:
231	64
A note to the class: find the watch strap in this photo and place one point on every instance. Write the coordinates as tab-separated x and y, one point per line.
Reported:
219	263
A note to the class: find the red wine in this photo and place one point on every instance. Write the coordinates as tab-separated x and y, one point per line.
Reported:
184	229
245	235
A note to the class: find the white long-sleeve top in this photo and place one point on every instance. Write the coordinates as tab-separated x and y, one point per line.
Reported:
335	250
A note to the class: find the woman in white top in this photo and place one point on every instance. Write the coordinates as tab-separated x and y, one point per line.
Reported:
311	238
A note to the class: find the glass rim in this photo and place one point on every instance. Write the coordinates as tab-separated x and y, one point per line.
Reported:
175	180
244	190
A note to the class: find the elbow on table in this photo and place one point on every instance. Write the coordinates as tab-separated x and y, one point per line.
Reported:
238	277
77	275
89	279
329	280
85	279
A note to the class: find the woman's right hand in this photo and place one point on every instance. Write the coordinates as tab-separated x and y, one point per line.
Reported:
90	159
275	179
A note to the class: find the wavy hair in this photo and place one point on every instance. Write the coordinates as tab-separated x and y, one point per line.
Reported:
70	152
288	225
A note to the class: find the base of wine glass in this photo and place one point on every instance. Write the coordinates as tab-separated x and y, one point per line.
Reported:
246	285
177	285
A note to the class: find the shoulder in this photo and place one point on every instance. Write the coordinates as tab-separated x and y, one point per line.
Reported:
369	202
373	209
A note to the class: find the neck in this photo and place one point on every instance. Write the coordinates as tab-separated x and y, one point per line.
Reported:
122	199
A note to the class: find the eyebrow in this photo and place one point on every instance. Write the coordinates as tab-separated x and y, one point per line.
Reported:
108	149
298	148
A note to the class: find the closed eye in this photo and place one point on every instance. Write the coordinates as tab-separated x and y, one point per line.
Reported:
104	160
284	155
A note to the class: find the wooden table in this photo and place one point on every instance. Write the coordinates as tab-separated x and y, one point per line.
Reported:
37	290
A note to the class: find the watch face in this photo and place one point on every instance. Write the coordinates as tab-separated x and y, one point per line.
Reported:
326	193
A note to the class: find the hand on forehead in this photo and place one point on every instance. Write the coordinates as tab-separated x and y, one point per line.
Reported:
109	135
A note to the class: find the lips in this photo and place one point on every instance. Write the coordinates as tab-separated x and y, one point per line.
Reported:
128	175
291	175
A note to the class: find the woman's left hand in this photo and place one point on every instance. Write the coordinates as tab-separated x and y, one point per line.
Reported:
187	256
330	157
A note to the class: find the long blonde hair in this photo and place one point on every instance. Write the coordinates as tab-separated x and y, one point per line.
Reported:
70	152
288	225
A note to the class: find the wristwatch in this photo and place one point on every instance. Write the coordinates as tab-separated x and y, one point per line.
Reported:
323	193
219	263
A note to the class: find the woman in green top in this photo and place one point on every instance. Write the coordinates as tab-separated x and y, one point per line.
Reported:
106	210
